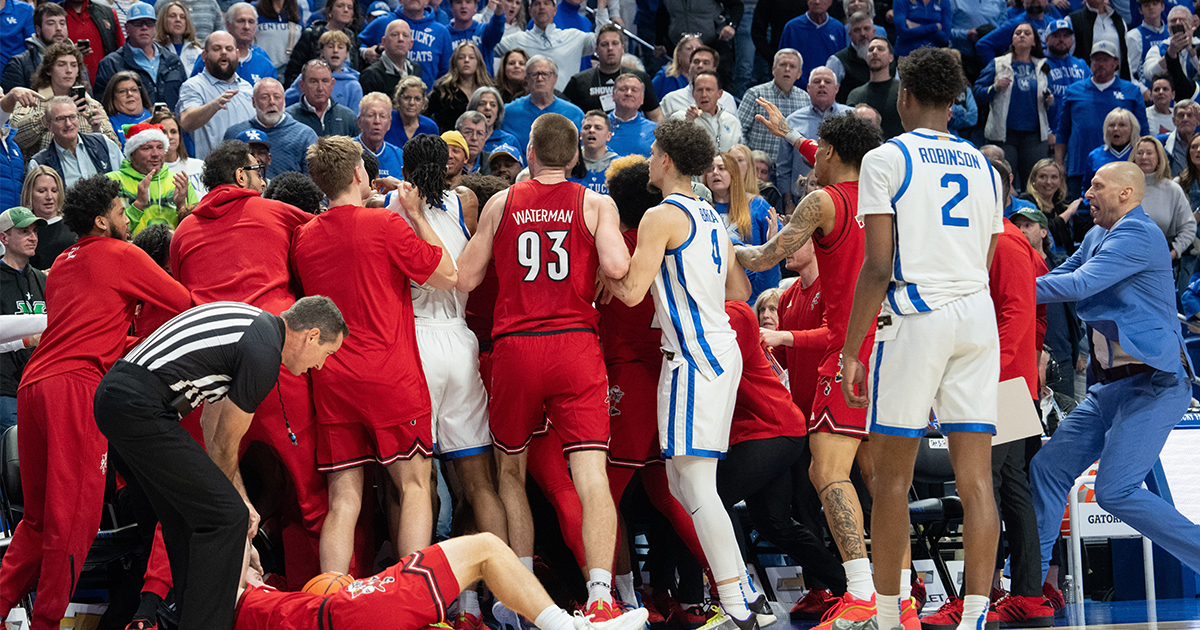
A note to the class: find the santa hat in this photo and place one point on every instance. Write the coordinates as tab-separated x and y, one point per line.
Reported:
141	133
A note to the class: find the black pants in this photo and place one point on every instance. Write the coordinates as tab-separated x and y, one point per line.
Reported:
760	472
1022	149
1010	484
204	519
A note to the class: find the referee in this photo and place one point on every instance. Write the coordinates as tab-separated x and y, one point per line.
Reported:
228	355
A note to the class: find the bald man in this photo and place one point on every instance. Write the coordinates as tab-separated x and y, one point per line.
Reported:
288	137
1120	279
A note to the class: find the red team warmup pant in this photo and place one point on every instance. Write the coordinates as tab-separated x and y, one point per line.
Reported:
64	458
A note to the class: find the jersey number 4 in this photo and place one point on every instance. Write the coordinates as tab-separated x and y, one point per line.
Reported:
961	181
529	255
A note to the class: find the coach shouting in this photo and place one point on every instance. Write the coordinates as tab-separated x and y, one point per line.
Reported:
228	355
1120	278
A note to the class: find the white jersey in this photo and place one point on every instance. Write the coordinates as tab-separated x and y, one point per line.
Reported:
689	291
447	222
947	202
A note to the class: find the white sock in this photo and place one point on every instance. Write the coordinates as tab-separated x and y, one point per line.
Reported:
468	602
554	618
859	582
733	601
624	584
974	607
599	586
887	611
905	585
527	561
748	590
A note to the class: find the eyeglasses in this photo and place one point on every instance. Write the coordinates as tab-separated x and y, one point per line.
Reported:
59	120
253	167
541	75
127	91
472	133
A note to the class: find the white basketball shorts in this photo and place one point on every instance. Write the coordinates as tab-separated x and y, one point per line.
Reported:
450	358
694	411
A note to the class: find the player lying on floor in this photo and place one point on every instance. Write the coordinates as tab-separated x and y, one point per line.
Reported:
414	593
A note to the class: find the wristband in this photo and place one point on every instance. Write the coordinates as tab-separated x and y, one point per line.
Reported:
25	342
808	150
793	137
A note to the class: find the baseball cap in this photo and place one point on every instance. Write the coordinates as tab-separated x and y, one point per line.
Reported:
1056	26
378	8
252	136
1106	47
1034	215
141	11
455	138
509	150
20	217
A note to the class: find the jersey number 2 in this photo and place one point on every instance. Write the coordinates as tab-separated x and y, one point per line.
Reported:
961	181
529	255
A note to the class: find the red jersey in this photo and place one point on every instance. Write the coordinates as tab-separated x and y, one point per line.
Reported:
802	313
840	257
629	333
1013	280
236	229
363	259
91	298
481	306
764	408
546	261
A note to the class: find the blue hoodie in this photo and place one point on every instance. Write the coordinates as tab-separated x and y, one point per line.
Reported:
346	90
431	46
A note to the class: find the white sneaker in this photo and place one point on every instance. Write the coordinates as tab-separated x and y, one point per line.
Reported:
631	620
507	619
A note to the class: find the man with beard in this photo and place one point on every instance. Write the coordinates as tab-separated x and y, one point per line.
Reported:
289	138
881	91
1065	68
214	100
849	64
151	194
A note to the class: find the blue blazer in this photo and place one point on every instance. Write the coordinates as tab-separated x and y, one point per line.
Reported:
1121	282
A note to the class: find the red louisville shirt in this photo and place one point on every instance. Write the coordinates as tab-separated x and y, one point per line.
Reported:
80	26
802	313
235	246
91	297
363	259
840	257
546	261
1013	280
628	333
481	306
764	408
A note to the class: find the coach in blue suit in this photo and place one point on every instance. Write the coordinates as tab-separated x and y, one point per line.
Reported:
1120	280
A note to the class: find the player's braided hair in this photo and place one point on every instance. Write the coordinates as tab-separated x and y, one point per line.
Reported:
629	186
689	146
852	137
425	159
89	198
933	75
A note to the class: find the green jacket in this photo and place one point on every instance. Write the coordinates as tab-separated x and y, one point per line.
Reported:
162	197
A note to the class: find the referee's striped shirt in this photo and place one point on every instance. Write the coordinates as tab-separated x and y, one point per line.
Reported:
221	349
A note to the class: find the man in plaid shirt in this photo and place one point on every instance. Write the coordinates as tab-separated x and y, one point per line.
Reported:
781	92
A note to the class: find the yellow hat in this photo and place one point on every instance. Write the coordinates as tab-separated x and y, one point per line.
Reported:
454	138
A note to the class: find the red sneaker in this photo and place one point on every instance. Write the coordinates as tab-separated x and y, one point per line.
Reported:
1016	611
467	621
686	618
813	605
909	617
948	616
1054	597
997	595
600	611
849	610
919	593
142	624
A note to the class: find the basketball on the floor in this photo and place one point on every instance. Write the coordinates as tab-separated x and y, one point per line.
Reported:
329	582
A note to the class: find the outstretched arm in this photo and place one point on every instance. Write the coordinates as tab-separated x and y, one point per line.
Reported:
814	212
224	424
654	232
737	283
869	293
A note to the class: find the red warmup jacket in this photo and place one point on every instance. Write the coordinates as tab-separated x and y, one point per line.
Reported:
802	313
1022	322
91	298
235	246
764	408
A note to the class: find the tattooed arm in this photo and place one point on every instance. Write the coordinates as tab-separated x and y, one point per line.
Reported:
815	212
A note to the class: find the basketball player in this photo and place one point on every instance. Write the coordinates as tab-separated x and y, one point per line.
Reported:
96	286
932	206
450	352
548	237
372	401
836	431
684	237
414	593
